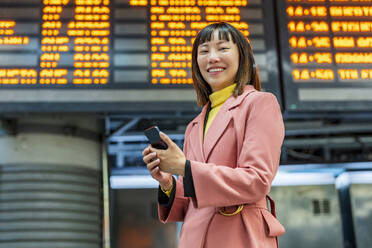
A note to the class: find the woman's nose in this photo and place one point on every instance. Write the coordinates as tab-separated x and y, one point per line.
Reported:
213	57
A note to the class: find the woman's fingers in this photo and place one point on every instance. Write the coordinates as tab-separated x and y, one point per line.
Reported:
153	164
149	157
166	138
155	172
146	151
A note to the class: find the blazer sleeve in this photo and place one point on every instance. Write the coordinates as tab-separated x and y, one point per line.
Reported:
257	162
176	212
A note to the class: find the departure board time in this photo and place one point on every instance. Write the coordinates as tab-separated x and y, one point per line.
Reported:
103	55
326	48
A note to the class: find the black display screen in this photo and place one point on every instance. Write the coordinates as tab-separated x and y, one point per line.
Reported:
326	51
117	55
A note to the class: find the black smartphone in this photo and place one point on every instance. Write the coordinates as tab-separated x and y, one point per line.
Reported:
152	134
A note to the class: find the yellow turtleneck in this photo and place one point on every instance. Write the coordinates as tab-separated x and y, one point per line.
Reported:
217	99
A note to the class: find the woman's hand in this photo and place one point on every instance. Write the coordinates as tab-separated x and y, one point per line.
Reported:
172	160
152	162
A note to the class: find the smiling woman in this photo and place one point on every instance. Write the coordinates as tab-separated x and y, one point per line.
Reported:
217	61
231	151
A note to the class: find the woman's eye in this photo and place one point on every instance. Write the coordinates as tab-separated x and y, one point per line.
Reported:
224	48
203	51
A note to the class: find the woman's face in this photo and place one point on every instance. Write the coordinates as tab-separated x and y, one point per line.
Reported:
218	62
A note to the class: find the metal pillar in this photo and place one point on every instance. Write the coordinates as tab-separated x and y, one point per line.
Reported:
50	182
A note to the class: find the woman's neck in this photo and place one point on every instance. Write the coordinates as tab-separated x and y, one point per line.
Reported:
219	97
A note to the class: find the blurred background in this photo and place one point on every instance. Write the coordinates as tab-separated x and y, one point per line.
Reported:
81	79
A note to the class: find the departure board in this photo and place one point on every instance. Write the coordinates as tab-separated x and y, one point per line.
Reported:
117	55
326	54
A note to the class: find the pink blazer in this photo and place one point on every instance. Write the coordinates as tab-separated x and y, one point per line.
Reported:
235	164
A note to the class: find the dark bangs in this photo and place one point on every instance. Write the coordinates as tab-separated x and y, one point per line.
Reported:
224	33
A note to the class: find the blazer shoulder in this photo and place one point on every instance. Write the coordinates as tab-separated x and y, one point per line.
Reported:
260	97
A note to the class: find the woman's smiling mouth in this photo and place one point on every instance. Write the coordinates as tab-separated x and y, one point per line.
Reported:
215	69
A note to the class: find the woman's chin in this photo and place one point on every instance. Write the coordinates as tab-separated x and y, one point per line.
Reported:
218	85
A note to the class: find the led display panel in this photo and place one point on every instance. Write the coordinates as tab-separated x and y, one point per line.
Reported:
117	55
326	51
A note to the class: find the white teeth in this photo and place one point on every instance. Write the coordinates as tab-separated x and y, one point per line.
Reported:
215	69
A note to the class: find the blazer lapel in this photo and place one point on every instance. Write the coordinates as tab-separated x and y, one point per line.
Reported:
221	121
196	135
216	129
